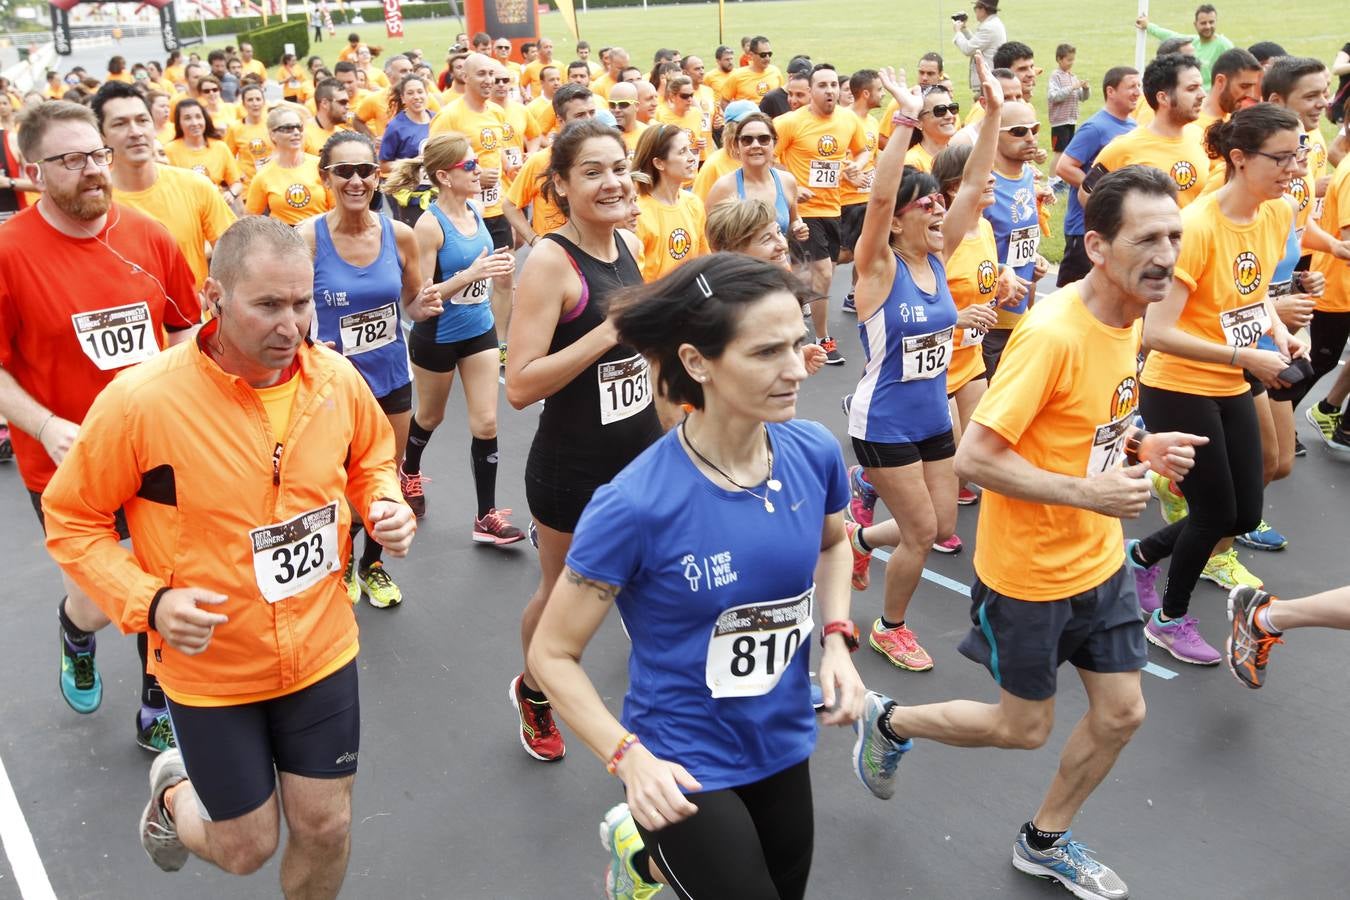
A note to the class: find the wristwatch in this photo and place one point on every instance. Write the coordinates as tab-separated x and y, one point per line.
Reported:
1133	443
846	629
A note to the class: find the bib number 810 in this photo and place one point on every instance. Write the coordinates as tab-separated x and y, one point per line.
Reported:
746	655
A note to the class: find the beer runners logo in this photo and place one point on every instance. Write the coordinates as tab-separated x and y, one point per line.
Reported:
828	145
1298	189
199	169
1246	272
680	244
297	196
508	133
488	138
1184	174
1124	399
985	276
762	88
257	146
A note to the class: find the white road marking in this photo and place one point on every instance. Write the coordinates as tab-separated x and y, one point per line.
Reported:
19	846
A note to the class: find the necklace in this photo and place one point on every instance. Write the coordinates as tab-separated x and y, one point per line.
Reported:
773	484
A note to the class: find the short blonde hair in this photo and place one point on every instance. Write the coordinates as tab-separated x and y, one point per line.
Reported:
732	224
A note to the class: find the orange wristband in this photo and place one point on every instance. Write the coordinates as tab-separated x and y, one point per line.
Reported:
624	746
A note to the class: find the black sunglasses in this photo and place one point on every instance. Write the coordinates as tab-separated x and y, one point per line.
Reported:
745	140
942	109
345	171
767	54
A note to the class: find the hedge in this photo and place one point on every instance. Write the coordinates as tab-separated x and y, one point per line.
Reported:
270	43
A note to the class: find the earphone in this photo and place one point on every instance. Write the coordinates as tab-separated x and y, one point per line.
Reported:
137	269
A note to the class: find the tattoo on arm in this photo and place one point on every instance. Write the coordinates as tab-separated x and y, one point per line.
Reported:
605	592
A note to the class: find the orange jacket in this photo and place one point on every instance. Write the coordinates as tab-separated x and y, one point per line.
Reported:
188	451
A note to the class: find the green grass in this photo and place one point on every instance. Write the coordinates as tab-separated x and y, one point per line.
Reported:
871	33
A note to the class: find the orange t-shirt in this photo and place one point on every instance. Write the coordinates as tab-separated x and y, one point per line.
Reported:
290	195
1227	266
63	339
814	148
1334	220
719	163
524	194
485	131
670	235
972	277
1183	158
1065	399
189	206
691	123
747	84
850	193
214	161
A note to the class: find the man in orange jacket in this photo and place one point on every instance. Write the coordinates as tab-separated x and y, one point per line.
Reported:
235	456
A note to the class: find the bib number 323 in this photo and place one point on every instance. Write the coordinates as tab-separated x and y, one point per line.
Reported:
752	645
290	557
117	337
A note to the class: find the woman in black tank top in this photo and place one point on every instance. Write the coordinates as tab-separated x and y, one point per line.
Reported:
598	413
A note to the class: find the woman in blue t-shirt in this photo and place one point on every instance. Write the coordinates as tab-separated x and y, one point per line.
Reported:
718	544
409	126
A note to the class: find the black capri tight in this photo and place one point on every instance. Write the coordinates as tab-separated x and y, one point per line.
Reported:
1224	492
752	842
1327	335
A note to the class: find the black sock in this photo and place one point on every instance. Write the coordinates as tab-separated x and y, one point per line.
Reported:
417	442
483	456
532	695
884	724
862	541
1326	408
73	634
640	866
1040	840
371	554
1137	554
152	695
888	625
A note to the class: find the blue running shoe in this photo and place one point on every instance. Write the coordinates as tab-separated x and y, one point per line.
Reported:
81	685
1068	863
875	756
848	305
1263	538
862	506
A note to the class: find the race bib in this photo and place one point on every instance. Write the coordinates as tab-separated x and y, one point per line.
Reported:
823	174
118	337
752	645
290	557
926	355
472	293
1108	444
974	337
513	157
1244	326
1317	210
7	215
625	388
370	330
490	196
705	122
1023	244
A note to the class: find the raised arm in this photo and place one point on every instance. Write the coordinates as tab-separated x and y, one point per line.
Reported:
966	206
872	252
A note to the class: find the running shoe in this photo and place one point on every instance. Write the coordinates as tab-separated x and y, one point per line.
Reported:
1263	538
495	529
534	535
1172	504
1247	648
538	735
6	448
1228	572
900	647
501	355
875	756
158	736
1340	442
847	403
862	562
1145	582
1325	423
1299	449
350	583
1180	638
413	487
832	355
619	836
1068	863
379	587
159	836
81	685
862	508
849	306
949	546
966	497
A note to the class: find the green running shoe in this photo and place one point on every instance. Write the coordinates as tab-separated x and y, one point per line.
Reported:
1172	504
379	587
81	685
621	840
156	737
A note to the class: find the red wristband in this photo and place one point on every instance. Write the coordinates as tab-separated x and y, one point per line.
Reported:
625	745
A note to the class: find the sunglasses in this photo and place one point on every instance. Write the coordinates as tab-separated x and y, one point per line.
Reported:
501	81
1022	130
621	104
767	54
506	47
294	128
685	96
345	171
468	165
943	110
927	204
209	91
746	140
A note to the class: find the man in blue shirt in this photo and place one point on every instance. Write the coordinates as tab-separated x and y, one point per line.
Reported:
1122	90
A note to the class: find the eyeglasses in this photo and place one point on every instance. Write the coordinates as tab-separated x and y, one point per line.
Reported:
501	81
927	204
468	165
767	54
76	160
685	96
942	110
746	140
1022	130
1285	160
617	105
345	171
293	128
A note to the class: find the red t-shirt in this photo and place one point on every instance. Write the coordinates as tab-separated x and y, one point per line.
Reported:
72	313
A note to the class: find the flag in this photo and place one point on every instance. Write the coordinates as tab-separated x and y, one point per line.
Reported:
393	19
569	14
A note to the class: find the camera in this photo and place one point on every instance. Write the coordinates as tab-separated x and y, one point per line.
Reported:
960	17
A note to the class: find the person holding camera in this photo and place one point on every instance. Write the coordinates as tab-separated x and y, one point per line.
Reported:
989	36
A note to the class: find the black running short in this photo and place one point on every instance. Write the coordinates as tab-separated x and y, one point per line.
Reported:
434	357
850	224
824	240
502	235
231	751
399	400
876	455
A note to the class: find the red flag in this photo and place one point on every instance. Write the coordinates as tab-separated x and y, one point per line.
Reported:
393	18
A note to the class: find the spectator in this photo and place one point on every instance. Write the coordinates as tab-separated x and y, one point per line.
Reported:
1209	44
1067	90
988	37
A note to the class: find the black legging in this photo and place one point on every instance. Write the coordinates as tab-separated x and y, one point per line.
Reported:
1327	334
752	842
1224	492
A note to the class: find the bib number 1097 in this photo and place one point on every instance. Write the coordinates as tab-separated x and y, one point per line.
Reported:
117	337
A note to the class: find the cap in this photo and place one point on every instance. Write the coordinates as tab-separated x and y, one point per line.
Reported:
989	5
607	117
739	109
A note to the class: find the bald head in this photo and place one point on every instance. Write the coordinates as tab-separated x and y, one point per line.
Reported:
623	98
624	91
647	100
478	71
246	241
618	61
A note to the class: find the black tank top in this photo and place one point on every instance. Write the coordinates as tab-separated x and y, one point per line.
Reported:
9	198
583	430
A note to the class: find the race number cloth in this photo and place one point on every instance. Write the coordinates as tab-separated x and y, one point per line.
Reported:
290	557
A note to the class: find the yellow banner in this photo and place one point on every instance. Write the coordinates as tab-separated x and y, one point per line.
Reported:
721	21
569	14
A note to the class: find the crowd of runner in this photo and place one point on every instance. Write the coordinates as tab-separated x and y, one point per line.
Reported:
287	288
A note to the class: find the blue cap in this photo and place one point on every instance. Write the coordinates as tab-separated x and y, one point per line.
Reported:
739	109
604	115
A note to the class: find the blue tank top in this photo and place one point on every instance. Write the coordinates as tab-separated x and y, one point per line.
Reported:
780	203
468	313
358	308
902	395
1281	281
1016	222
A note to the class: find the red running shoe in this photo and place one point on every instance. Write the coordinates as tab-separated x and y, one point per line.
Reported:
538	735
411	486
495	529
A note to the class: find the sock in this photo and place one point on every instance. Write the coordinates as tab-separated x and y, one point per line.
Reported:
148	715
483	457
1326	408
166	799
887	625
1040	840
531	695
1160	620
371	554
76	637
1263	621
640	865
1137	554
152	696
884	724
417	442
859	542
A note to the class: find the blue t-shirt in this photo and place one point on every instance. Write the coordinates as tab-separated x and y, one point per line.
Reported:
358	309
1094	134
1014	213
467	313
716	599
403	138
1281	281
902	395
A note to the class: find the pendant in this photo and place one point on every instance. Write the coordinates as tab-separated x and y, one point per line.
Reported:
774	484
768	505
